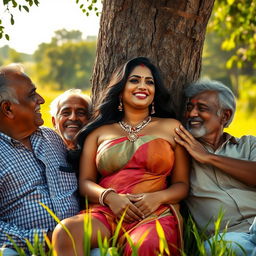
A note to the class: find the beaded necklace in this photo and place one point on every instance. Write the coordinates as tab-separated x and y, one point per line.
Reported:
133	130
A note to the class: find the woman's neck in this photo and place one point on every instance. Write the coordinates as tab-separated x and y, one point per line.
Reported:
135	118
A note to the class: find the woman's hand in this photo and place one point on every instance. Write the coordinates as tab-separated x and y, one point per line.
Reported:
118	203
147	203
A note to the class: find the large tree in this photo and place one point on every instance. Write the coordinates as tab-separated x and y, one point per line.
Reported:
171	33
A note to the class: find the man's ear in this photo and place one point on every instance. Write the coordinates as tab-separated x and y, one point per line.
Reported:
6	109
53	121
226	115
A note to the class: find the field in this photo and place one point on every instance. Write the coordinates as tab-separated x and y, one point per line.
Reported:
244	122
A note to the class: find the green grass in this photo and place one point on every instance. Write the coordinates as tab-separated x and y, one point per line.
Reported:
193	240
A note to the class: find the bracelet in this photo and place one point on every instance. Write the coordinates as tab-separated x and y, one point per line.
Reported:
103	195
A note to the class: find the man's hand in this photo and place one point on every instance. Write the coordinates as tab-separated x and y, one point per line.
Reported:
194	147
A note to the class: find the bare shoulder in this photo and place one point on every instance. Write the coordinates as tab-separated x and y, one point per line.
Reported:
102	130
168	123
106	132
165	128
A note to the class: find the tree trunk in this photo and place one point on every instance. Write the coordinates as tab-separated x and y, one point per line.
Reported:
170	33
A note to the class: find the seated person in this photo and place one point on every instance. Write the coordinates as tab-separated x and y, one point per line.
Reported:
130	145
70	112
223	167
33	166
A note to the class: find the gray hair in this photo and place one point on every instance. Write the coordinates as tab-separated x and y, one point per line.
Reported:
54	106
226	97
6	92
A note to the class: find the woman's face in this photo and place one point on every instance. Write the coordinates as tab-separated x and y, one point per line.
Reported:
139	89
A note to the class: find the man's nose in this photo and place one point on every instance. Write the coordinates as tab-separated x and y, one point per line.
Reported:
40	99
193	112
73	116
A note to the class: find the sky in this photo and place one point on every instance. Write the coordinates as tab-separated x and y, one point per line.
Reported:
38	26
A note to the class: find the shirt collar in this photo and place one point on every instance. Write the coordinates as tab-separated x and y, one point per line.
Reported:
17	143
230	138
226	138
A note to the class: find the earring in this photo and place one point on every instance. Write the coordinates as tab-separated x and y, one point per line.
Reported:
120	106
153	108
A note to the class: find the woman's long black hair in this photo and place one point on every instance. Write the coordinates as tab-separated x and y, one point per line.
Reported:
106	110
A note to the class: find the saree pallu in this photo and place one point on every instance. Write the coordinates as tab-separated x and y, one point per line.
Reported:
142	166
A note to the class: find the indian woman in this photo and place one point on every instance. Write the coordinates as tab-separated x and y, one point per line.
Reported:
130	165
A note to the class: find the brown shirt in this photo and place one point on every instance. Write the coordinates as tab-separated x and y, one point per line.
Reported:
212	189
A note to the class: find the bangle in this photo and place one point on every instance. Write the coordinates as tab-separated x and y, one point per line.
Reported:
103	195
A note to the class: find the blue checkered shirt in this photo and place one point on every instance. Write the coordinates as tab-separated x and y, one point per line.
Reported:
28	177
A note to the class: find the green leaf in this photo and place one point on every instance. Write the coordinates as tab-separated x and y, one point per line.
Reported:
36	2
87	233
118	228
6	2
163	246
25	8
77	1
62	225
12	19
14	3
7	37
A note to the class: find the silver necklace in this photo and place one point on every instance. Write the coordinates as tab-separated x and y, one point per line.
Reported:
133	130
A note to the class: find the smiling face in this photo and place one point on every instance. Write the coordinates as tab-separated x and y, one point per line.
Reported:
72	115
27	116
203	115
139	89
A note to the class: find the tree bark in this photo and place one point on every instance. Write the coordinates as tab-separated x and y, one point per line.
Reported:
171	33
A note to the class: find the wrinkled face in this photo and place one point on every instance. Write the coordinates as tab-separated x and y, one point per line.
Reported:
139	89
72	115
27	114
203	114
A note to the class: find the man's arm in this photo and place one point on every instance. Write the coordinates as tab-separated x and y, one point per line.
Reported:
242	170
19	235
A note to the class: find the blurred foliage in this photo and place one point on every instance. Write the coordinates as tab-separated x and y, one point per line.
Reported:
235	22
9	55
214	64
67	61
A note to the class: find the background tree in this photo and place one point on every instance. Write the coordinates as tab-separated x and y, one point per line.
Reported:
8	54
234	21
67	61
170	33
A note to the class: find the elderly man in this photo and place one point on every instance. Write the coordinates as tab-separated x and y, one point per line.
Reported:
33	165
223	167
70	111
